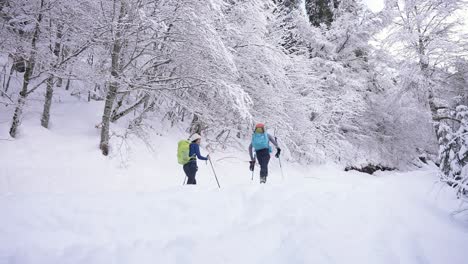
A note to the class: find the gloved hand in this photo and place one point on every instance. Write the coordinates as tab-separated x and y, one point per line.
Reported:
252	165
278	152
208	157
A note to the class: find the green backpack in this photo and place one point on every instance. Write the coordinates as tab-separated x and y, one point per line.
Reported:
183	150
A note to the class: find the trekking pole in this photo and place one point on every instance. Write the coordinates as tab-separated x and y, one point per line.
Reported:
183	183
279	159
211	163
254	166
281	167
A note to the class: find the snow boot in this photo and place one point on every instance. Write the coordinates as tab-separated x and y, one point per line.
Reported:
263	179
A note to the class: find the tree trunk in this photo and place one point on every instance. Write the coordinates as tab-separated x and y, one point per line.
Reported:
7	86
196	126
67	86
21	100
119	104
113	87
424	67
50	81
27	77
48	102
116	115
320	11
59	82
17	116
110	98
3	77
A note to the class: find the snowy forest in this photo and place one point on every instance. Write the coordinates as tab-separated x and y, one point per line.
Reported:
333	80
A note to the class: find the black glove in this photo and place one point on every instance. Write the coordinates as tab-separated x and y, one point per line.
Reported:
278	152
252	165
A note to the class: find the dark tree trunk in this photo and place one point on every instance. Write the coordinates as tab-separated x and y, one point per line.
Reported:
321	11
7	86
110	98
113	87
67	86
118	105
59	82
196	126
50	82
117	115
48	102
26	79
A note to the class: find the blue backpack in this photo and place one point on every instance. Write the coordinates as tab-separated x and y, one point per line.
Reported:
260	141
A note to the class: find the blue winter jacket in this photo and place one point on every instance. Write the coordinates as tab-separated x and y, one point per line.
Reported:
270	139
195	151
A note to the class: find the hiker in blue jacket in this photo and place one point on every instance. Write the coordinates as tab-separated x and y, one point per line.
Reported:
261	144
191	167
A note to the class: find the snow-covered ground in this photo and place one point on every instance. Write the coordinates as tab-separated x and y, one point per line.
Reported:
62	202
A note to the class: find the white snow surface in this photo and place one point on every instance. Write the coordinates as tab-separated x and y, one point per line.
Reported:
62	202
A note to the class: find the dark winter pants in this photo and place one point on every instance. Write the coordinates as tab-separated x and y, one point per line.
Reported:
263	157
190	170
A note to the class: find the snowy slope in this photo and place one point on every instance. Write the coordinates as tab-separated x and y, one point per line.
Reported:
62	202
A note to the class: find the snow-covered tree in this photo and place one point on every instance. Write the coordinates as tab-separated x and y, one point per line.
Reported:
305	68
331	87
23	29
422	37
174	55
69	31
453	152
321	11
424	32
43	37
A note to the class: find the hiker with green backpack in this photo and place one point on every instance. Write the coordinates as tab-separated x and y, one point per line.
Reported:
187	153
